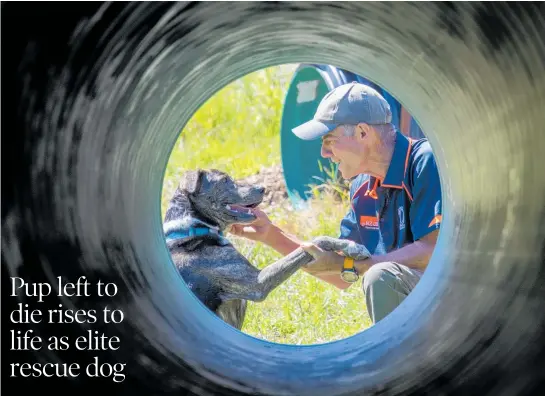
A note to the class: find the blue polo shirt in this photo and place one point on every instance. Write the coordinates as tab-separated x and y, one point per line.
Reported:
405	206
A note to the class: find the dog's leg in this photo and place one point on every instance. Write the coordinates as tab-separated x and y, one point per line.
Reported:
249	283
348	248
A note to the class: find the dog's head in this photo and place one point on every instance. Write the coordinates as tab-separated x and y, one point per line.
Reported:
216	196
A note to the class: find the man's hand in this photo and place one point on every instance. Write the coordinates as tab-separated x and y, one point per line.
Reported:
325	263
258	230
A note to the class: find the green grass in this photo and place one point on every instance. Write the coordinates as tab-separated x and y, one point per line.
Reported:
235	131
240	130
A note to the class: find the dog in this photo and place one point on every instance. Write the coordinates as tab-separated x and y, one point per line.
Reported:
204	205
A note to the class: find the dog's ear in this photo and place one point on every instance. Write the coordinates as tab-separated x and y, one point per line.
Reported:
191	181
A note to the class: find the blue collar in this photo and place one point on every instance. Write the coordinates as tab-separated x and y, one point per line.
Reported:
191	232
189	227
398	165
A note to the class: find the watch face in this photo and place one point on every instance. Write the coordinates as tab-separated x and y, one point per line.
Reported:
349	276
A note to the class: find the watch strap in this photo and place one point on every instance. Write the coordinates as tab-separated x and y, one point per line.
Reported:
348	263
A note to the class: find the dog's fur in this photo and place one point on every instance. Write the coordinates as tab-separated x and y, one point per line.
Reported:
211	267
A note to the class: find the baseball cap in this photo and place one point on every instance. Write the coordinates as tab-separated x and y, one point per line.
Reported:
347	104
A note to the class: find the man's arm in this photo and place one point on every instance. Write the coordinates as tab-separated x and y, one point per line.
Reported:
281	241
415	255
262	230
348	231
285	243
328	265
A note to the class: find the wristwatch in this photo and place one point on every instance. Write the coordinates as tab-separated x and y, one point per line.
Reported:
349	273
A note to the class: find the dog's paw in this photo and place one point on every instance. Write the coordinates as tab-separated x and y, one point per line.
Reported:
348	248
327	243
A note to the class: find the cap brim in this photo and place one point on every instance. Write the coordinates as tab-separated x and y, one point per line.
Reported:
313	129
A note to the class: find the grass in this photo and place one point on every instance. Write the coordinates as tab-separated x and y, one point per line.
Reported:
240	126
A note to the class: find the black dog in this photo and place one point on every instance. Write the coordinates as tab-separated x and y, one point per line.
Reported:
203	206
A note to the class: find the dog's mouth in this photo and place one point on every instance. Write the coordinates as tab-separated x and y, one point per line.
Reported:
242	212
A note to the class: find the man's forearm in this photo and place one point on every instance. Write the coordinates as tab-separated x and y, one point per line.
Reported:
285	244
282	242
415	255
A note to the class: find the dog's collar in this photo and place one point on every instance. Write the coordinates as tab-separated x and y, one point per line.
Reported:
191	232
189	228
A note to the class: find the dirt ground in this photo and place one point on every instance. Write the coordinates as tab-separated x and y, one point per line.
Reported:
272	178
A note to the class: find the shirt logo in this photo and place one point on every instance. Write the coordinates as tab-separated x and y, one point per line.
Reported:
436	220
401	215
369	222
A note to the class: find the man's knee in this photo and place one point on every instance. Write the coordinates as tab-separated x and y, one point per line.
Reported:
381	272
383	292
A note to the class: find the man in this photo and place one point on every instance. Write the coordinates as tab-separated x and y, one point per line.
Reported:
395	198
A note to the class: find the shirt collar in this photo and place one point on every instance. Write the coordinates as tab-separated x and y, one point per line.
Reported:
398	166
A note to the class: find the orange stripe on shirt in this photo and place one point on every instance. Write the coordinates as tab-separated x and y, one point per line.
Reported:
407	156
373	192
436	220
356	193
407	190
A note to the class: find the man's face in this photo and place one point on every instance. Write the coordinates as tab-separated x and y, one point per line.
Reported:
350	152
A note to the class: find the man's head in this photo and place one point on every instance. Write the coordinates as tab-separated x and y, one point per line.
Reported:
354	123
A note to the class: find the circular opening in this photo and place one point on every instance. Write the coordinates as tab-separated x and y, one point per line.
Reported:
244	130
216	349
